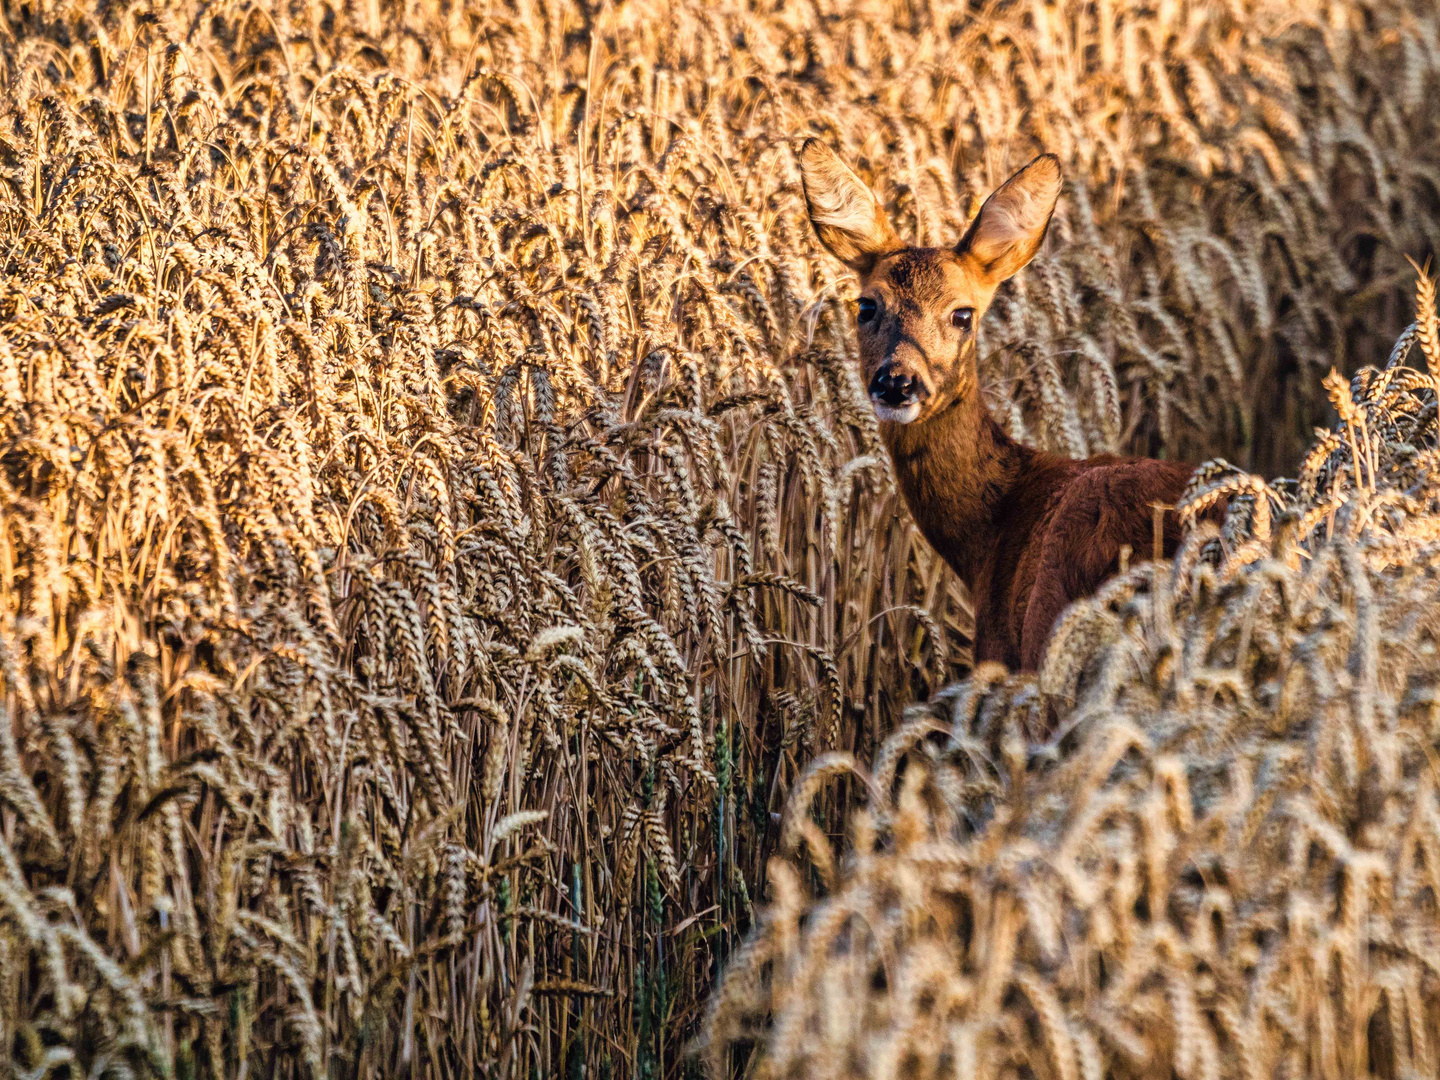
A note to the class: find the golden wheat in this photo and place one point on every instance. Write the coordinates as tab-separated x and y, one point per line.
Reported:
440	520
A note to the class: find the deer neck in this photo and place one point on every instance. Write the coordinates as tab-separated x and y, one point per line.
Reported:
956	471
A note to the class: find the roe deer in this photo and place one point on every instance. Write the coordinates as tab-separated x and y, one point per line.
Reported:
1027	531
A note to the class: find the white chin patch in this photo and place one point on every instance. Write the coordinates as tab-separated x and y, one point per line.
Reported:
902	415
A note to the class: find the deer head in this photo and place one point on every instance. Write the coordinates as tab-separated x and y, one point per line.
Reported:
919	308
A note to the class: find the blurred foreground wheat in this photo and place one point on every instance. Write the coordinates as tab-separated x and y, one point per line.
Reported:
438	518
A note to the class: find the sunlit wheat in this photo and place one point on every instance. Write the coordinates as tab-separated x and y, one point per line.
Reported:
439	521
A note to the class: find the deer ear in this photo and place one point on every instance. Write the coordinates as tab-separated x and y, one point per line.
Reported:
847	217
1007	232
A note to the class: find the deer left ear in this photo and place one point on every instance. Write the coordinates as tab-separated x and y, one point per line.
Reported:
846	215
1010	227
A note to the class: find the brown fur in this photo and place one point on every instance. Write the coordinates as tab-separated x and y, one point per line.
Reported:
1027	531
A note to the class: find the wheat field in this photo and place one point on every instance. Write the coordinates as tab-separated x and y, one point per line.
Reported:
445	549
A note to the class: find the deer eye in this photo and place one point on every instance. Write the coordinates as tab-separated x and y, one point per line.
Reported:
867	310
962	318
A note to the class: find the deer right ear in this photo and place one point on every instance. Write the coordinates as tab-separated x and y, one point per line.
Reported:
1008	231
847	217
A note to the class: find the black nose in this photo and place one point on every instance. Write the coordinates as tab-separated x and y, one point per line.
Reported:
896	388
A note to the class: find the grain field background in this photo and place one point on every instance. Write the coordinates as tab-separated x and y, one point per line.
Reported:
441	525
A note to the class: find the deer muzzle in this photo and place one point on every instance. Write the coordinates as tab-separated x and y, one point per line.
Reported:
897	394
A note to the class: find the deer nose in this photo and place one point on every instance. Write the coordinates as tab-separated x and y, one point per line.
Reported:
896	388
